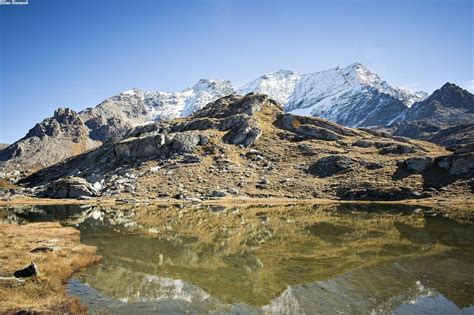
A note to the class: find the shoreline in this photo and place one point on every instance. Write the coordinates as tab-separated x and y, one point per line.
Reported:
58	253
230	201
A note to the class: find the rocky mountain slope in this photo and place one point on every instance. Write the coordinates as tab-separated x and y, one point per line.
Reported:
446	117
246	146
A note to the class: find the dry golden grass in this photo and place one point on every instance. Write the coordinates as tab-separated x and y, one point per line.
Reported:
5	184
46	292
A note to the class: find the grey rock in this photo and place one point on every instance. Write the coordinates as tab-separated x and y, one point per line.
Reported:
331	165
305	149
378	193
185	142
363	143
218	193
418	164
69	187
191	158
373	165
397	149
457	164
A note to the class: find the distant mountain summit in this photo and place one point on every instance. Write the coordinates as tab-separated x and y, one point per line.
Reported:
446	106
446	117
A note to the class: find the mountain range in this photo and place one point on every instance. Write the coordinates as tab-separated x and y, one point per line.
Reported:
351	96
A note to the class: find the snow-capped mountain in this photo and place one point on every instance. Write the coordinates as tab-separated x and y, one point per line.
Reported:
353	96
166	105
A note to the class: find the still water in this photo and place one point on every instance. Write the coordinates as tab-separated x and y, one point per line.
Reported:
300	259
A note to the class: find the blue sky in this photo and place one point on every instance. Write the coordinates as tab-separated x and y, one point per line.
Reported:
75	53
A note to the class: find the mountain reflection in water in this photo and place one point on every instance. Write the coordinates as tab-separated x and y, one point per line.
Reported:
349	259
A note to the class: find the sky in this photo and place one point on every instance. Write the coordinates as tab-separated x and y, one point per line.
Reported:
76	53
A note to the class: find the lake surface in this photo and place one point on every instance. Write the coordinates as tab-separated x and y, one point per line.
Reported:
316	259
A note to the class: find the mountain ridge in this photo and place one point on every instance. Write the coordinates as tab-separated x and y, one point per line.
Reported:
352	96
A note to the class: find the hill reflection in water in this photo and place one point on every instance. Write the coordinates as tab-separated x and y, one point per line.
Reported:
278	259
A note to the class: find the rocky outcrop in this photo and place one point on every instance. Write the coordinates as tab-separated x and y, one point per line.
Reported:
418	164
52	140
331	165
396	148
234	115
70	187
457	163
68	133
314	128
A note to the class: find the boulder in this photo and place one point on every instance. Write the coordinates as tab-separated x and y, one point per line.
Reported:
331	165
185	142
363	143
305	149
30	271
418	164
218	193
314	128
70	187
397	149
191	158
140	147
244	130
457	164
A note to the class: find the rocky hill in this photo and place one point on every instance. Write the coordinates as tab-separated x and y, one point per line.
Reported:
246	146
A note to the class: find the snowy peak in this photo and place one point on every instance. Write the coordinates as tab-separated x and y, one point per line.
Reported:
357	73
278	85
211	86
167	105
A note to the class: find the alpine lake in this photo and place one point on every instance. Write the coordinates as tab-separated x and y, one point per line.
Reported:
262	259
